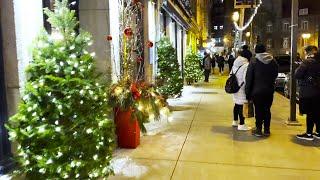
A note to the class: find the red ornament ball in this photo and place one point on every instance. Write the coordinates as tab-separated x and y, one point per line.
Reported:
149	44
135	1
109	38
139	59
128	32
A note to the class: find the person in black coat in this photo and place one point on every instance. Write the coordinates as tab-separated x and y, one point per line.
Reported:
260	87
221	62
308	76
231	60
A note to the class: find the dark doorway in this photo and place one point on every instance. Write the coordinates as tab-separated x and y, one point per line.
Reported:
5	147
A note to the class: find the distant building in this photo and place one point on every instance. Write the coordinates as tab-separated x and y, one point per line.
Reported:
277	36
222	29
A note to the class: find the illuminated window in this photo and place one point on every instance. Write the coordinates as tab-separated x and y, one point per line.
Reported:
269	27
285	43
305	25
285	26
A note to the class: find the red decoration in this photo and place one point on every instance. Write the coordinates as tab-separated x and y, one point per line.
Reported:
127	129
135	1
128	31
139	59
149	44
135	92
109	38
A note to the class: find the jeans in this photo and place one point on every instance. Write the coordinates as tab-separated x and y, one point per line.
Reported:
238	113
262	104
206	75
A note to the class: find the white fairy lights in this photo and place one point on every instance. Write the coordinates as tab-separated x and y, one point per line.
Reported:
250	19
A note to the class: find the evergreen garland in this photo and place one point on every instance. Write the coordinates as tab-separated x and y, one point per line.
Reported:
169	79
62	128
192	67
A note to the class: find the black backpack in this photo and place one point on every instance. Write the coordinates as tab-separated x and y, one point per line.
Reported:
232	84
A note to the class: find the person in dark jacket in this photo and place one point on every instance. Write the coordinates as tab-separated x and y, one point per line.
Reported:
231	60
309	93
221	62
260	87
213	63
207	66
246	52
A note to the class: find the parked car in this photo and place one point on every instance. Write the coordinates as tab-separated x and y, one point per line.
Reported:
287	87
281	81
283	61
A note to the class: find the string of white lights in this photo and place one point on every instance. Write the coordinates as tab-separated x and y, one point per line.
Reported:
250	19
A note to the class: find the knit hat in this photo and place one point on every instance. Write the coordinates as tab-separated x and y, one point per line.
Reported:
260	48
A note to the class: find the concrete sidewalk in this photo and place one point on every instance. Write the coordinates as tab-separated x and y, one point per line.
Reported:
199	143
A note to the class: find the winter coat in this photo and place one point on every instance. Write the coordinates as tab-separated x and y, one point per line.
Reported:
207	62
308	69
261	76
240	97
221	61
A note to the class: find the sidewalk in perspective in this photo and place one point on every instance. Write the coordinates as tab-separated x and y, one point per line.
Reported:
198	142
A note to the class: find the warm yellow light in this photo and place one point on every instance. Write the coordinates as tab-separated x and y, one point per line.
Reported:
306	35
236	16
225	40
248	34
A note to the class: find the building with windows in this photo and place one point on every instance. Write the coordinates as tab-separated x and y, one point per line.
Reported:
277	31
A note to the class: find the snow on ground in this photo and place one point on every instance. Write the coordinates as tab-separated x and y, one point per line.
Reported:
125	166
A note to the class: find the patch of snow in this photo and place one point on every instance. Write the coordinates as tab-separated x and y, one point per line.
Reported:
127	167
5	177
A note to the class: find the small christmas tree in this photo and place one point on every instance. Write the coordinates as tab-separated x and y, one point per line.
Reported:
61	128
169	80
192	67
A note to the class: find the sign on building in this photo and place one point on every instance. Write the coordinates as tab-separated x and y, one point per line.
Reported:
244	3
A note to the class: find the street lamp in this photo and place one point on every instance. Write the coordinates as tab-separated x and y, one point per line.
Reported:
235	16
248	34
306	35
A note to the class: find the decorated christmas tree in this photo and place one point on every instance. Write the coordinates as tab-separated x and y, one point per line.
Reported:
169	80
62	128
192	67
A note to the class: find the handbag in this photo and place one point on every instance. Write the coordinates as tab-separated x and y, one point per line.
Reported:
248	110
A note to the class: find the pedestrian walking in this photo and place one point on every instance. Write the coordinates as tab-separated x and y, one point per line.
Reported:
308	76
213	63
231	60
221	62
207	66
240	70
260	87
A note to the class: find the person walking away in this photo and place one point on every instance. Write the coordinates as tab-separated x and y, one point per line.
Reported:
246	52
239	98
221	62
308	76
260	87
231	60
213	63
207	66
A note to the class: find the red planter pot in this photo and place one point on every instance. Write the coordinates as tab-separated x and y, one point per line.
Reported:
127	129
